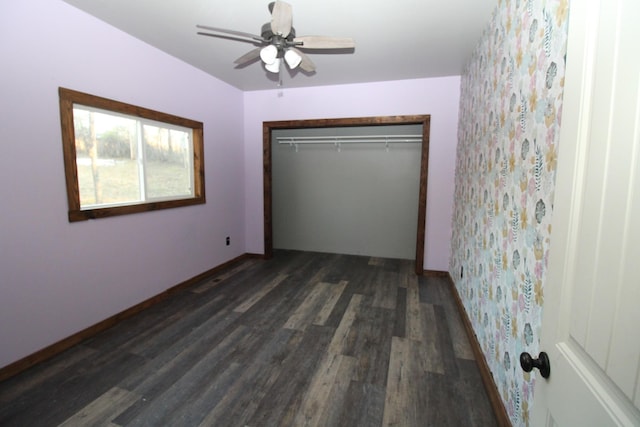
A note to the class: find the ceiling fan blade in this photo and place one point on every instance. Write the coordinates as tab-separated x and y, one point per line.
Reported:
232	32
323	42
230	37
281	18
248	57
306	64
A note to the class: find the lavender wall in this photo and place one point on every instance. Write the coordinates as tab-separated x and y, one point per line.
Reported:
438	97
57	278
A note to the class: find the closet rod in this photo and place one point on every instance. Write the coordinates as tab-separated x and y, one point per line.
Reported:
348	139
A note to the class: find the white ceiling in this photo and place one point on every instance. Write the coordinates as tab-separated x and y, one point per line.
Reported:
395	39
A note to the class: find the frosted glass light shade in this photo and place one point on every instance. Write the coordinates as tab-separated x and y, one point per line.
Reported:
292	58
269	54
274	67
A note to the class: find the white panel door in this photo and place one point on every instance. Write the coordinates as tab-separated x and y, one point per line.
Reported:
591	324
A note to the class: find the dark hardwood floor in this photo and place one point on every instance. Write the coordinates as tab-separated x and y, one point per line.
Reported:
302	339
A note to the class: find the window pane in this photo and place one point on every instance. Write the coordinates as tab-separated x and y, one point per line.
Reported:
117	182
167	162
106	156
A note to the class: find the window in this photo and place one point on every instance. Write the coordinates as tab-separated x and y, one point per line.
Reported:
121	159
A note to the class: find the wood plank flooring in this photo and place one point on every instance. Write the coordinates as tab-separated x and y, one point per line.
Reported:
305	339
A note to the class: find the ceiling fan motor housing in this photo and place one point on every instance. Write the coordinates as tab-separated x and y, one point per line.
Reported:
278	41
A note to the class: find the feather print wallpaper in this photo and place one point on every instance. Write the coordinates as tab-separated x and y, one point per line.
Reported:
510	113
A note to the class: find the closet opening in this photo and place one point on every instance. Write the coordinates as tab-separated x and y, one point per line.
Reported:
319	137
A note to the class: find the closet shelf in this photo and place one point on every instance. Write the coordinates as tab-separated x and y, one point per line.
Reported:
347	139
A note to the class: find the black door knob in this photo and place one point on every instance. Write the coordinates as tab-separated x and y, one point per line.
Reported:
542	363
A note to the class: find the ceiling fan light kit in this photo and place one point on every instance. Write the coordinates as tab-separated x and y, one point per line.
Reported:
278	42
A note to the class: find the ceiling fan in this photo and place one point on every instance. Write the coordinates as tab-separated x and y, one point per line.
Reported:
278	41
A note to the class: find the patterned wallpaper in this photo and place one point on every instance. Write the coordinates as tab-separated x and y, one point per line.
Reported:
510	112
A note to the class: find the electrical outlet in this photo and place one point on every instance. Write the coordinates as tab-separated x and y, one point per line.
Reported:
228	240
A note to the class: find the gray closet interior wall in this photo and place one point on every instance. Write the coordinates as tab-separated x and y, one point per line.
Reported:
361	199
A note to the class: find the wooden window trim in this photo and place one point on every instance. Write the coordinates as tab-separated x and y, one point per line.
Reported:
70	97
